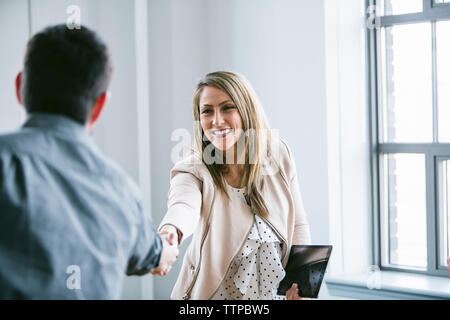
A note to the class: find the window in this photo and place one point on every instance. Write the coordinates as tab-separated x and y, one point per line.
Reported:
409	56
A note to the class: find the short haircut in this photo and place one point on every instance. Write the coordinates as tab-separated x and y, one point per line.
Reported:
65	72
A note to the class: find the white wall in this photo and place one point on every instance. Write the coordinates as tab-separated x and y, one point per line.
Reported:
348	143
13	16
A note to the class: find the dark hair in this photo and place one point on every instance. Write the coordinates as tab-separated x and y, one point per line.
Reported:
65	72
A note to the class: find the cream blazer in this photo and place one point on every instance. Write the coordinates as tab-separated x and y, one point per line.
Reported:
220	225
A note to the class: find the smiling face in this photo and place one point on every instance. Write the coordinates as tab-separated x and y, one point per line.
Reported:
219	117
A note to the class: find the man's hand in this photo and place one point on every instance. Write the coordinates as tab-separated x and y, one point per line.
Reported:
169	254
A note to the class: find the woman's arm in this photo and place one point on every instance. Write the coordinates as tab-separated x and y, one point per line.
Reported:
183	214
183	205
302	233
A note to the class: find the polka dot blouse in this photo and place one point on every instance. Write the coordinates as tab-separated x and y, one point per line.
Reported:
257	270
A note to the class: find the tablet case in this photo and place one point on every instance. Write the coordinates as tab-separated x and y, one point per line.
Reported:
306	267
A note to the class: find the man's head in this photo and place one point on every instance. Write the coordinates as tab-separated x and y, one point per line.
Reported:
66	72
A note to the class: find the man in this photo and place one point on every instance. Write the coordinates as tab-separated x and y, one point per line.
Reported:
71	222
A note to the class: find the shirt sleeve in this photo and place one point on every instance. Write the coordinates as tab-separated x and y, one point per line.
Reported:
147	251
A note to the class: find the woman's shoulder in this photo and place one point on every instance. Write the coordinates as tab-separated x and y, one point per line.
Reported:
282	154
191	164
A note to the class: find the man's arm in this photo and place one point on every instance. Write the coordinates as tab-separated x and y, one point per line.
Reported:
147	251
151	250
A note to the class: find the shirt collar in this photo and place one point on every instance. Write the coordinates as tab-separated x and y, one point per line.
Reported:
58	124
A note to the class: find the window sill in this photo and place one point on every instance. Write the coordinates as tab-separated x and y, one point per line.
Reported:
391	285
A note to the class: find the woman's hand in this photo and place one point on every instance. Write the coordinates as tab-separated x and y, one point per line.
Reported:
169	253
292	293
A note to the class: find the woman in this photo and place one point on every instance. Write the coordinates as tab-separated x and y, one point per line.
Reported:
239	197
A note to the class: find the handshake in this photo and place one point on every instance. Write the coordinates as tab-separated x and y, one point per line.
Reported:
170	239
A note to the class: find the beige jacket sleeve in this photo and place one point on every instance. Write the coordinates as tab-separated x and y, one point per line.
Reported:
302	234
184	202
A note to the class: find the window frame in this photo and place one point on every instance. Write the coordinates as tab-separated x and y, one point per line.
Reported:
439	214
433	152
431	12
439	5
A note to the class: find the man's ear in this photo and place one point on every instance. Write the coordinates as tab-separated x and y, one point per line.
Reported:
19	87
97	110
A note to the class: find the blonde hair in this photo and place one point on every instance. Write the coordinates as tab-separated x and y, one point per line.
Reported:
256	145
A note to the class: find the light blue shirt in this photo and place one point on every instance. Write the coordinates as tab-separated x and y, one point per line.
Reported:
71	221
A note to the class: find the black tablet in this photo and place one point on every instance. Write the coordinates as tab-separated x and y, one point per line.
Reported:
306	267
